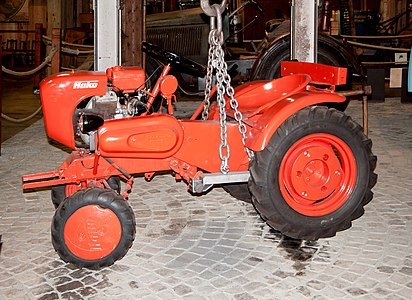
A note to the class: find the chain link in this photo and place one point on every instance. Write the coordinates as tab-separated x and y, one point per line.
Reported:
217	62
208	88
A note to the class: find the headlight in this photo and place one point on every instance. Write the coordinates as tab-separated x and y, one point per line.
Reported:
90	122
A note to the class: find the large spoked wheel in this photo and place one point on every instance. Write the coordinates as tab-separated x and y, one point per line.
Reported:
93	228
315	175
61	192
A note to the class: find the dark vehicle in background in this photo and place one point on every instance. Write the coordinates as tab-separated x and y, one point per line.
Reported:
185	32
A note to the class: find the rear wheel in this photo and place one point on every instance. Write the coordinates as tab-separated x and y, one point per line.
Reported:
240	191
93	228
315	175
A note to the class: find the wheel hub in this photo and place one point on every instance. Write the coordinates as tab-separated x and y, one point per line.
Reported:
317	174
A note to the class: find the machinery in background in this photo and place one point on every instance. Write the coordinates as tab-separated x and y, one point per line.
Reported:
186	33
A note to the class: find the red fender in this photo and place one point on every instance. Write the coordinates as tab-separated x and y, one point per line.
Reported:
61	93
269	122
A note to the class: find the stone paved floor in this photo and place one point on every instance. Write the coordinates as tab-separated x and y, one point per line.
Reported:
213	246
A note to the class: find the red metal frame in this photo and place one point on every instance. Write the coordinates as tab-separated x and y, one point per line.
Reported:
158	142
320	74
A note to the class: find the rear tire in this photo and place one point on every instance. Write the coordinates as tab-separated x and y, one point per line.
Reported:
239	191
315	175
93	228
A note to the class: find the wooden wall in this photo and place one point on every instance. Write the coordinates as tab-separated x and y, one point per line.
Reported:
50	13
37	14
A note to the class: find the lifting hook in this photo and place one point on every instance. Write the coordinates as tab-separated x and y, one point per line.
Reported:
213	10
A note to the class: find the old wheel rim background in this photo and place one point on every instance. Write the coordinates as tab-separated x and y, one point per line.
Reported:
317	174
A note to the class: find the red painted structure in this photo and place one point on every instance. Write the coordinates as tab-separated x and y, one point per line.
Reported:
321	167
159	142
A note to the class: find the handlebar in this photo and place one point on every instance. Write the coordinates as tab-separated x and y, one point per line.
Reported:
185	65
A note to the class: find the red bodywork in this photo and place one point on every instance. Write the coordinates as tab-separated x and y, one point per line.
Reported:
158	142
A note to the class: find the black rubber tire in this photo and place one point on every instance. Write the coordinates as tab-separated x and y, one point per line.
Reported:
105	198
330	52
265	169
239	191
58	192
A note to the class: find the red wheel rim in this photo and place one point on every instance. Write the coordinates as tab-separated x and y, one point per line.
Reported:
92	232
317	174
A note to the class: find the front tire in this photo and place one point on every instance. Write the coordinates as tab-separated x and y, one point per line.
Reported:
315	175
61	192
93	228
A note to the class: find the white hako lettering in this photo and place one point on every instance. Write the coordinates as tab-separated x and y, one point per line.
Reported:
85	84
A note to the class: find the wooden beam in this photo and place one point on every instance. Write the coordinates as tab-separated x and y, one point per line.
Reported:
37	53
54	15
133	28
56	42
171	5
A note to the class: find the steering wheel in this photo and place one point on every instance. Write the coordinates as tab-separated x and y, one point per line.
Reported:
184	64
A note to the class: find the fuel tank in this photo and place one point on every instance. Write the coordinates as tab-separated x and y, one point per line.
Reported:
127	79
61	93
154	136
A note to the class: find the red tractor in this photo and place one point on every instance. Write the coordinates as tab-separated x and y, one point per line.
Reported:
308	169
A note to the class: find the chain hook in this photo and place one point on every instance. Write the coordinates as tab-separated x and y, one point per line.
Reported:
215	13
214	10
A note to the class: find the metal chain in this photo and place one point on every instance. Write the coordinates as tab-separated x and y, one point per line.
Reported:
208	88
223	86
238	115
216	61
220	65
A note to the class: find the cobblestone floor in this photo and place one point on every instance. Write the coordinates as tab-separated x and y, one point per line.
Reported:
213	246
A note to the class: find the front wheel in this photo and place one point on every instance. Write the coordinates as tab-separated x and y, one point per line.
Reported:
93	228
61	192
315	175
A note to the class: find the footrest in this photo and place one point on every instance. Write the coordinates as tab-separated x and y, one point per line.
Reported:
206	181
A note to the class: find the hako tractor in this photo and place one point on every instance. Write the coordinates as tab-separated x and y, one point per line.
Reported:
308	169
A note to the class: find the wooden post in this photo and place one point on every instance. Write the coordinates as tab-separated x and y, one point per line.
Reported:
37	53
171	5
56	41
133	23
54	15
